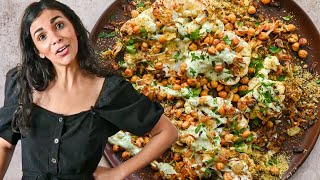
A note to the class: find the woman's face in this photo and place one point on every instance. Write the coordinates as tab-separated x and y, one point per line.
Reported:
54	37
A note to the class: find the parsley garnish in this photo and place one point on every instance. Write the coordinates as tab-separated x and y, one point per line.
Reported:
198	128
143	32
281	78
112	17
287	18
227	40
140	5
193	72
255	147
274	49
131	49
249	138
106	35
195	35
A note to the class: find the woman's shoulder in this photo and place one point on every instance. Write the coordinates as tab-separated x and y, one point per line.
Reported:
11	86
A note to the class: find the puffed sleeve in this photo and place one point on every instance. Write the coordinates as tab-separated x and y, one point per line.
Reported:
10	106
124	107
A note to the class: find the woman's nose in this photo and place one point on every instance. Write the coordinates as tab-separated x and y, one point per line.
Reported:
56	40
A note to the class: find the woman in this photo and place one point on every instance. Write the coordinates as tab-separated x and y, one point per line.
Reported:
63	105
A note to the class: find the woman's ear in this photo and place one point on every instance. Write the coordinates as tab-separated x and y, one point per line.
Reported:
39	53
41	56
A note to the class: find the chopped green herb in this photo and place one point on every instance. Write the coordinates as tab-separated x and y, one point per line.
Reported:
274	49
318	81
196	92
195	35
241	147
203	148
140	5
242	93
287	18
281	78
143	32
106	35
227	40
193	72
207	171
249	138
112	17
257	23
194	57
169	86
240	23
198	128
131	49
255	147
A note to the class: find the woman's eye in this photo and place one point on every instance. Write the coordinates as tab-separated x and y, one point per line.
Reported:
59	25
41	37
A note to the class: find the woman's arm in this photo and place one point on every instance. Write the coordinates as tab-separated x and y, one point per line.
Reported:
6	152
164	134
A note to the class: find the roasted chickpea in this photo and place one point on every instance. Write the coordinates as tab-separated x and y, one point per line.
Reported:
251	31
239	49
222	110
302	54
214	84
208	40
176	87
115	148
291	27
220	87
227	176
274	171
193	47
158	65
183	67
203	81
136	29
216	42
212	50
164	82
293	38
192	82
232	18
170	97
176	157
266	27
252	10
134	78
161	95
134	13
269	124
162	39
251	70
220	47
263	36
158	24
265	1
295	46
156	50
178	112
243	87
126	155
129	72
235	41
228	137
246	133
219	166
223	94
244	80
218	68
185	124
218	34
303	41
235	98
228	27
172	80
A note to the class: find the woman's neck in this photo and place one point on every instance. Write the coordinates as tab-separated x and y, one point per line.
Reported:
67	77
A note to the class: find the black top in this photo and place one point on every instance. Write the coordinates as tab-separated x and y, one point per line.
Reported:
70	147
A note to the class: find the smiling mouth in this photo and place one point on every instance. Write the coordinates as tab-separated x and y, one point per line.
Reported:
62	49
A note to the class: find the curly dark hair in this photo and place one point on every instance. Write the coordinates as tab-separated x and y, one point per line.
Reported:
35	72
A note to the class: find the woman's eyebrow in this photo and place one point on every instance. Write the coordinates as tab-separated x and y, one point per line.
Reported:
52	20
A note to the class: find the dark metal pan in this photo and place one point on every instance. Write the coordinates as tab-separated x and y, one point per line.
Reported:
120	11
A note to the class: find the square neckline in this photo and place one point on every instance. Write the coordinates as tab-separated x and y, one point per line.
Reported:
78	113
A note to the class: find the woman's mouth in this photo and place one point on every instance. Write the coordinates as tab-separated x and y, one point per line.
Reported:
63	50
